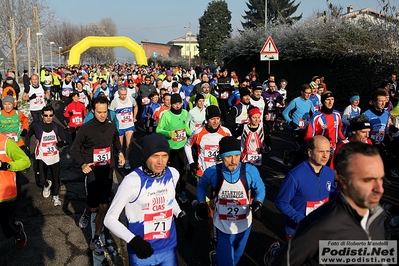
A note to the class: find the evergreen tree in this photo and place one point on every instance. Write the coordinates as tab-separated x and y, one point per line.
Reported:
278	12
215	28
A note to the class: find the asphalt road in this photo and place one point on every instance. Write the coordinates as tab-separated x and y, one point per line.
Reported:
55	239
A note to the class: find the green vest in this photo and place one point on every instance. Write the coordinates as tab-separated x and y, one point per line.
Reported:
11	124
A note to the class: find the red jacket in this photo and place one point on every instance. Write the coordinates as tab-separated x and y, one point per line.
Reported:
76	112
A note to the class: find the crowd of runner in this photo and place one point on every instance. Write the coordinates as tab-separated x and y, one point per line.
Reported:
210	125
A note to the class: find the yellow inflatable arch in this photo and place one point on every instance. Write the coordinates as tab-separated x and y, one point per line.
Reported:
94	41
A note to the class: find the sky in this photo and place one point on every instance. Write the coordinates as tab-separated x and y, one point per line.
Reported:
161	21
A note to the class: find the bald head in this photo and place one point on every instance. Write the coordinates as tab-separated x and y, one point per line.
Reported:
318	151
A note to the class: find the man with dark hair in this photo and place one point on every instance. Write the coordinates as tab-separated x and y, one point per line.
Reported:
379	123
297	115
93	150
47	155
354	214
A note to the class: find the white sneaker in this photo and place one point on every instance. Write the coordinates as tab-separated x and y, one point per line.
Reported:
56	201
46	190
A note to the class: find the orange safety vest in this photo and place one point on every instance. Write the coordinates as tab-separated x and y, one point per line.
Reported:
8	184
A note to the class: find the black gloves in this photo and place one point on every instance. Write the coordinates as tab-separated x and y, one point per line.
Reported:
141	247
187	227
293	125
193	169
256	207
202	211
61	144
70	113
4	166
24	132
33	96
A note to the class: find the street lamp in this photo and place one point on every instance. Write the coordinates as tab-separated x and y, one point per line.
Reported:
189	43
59	56
51	56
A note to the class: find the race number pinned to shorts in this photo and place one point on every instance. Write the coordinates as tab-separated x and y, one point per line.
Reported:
211	153
102	156
12	135
157	225
303	123
180	135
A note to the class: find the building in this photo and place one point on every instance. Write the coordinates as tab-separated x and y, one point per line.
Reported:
153	49
367	14
188	43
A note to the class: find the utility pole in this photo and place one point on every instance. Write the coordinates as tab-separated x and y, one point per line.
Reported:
28	47
189	45
14	47
268	69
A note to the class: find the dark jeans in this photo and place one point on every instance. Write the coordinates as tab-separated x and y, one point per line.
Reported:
36	115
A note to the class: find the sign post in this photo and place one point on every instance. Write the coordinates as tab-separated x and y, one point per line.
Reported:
269	52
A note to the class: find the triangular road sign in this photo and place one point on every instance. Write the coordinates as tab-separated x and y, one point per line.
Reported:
269	47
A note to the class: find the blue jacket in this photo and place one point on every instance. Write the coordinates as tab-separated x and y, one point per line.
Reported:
254	180
298	109
233	97
301	189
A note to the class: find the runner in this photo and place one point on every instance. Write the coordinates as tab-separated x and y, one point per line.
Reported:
47	155
350	112
196	116
147	195
36	96
238	115
13	123
231	201
148	113
67	88
252	138
93	149
173	125
75	112
125	108
12	159
297	115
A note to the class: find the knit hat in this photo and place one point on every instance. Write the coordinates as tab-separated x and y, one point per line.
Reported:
359	126
325	95
254	111
229	146
199	97
256	86
244	92
152	144
176	98
212	111
8	99
206	84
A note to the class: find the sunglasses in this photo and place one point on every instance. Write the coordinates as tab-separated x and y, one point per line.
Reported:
48	115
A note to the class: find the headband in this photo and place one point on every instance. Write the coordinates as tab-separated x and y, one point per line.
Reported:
354	97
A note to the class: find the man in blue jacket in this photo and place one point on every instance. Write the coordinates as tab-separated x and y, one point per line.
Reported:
231	201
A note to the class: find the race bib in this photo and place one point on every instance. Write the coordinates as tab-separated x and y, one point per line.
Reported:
233	209
224	95
145	100
127	117
378	137
77	120
49	148
66	92
272	116
102	156
211	153
313	205
303	123
254	157
39	100
12	135
180	135
157	225
198	125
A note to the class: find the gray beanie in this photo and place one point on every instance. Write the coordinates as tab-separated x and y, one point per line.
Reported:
8	99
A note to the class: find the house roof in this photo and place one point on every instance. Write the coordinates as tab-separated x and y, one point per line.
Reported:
157	43
185	38
368	11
